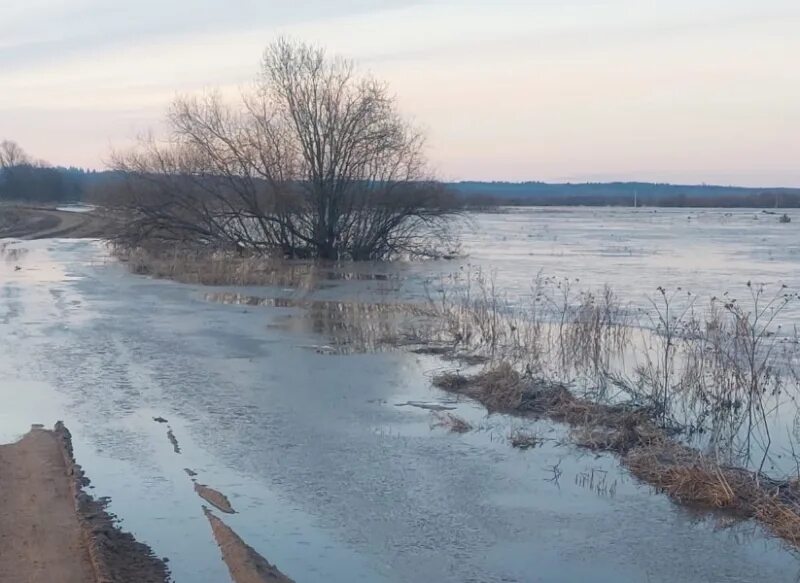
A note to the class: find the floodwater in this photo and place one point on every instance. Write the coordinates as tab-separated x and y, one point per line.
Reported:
706	251
335	470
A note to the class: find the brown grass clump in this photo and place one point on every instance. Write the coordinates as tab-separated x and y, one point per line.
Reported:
698	485
499	389
451	381
452	423
617	428
522	439
467	358
688	477
207	267
609	429
782	519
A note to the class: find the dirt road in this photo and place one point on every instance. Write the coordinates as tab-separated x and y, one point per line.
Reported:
21	222
40	534
50	530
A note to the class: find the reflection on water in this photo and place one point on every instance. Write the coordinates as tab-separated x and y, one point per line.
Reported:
21	263
348	326
596	350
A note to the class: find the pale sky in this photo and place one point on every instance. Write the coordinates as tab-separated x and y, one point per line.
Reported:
558	90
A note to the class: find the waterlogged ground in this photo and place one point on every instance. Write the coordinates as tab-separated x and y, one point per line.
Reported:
333	461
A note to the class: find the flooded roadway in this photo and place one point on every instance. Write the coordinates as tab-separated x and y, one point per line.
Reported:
333	475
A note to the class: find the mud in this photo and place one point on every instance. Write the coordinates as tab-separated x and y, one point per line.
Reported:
52	530
215	498
244	563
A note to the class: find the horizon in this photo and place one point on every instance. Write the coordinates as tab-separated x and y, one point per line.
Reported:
538	182
578	92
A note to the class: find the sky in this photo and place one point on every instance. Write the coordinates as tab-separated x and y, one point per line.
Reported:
686	91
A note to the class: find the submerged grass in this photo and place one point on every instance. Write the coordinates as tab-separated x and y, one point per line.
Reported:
450	422
206	267
522	439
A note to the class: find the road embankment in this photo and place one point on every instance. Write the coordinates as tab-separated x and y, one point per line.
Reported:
52	530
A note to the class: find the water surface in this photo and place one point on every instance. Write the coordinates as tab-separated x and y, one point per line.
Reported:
333	475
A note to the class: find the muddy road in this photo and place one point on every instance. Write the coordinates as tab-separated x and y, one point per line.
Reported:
51	529
333	464
40	532
46	223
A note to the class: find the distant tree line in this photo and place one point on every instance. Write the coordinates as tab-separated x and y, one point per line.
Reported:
22	178
488	194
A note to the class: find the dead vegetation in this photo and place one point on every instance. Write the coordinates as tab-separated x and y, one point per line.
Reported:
692	478
450	422
686	405
522	439
600	426
651	452
189	264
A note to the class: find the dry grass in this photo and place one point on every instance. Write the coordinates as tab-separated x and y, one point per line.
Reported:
588	330
452	423
646	449
782	519
684	475
451	381
499	388
602	426
691	478
207	267
522	439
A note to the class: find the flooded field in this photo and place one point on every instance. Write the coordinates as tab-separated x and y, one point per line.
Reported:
706	251
337	462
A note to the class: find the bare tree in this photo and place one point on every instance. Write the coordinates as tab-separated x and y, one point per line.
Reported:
11	154
315	162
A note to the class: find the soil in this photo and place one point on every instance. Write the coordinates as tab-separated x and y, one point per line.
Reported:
244	563
51	530
20	222
215	498
40	533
